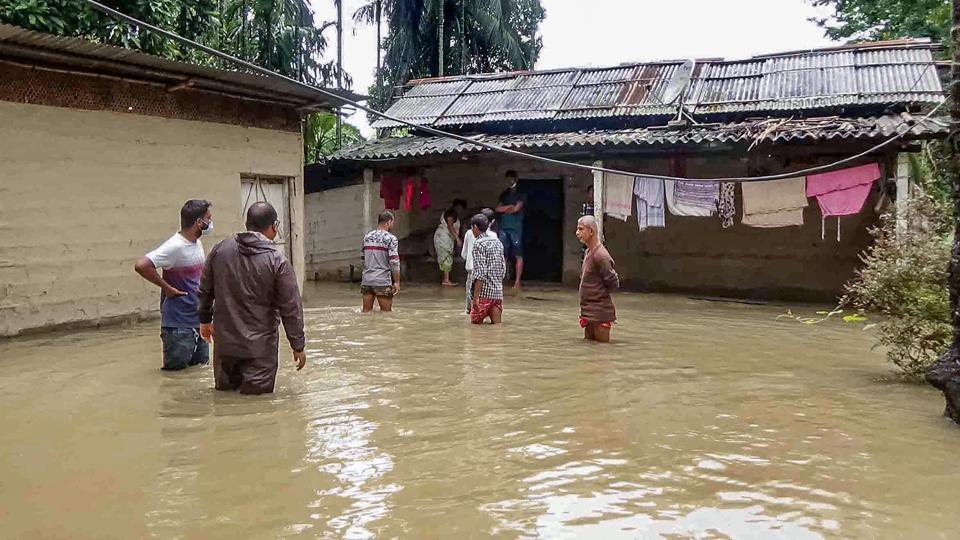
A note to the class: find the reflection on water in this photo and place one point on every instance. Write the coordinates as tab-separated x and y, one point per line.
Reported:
702	420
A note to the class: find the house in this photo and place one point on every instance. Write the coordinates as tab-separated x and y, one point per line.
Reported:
710	118
100	146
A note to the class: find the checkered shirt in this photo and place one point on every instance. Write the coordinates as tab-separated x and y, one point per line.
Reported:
489	267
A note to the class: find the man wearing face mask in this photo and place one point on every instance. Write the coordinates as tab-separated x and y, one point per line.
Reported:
181	259
247	288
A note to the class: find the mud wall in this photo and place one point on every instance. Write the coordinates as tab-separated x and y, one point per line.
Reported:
84	194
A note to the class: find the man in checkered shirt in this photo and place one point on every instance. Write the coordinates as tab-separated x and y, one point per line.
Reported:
489	269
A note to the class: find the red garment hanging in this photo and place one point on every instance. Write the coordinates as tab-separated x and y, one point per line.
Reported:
390	192
408	190
425	200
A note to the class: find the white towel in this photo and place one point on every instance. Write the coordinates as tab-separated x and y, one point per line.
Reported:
678	207
618	195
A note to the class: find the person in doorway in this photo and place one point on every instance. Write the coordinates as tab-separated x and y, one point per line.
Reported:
381	265
510	206
598	280
445	241
489	269
181	259
459	207
247	288
467	252
586	209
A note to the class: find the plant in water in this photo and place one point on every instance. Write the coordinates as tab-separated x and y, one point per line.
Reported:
904	279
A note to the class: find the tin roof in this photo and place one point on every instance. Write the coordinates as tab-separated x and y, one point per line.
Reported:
898	72
747	133
18	44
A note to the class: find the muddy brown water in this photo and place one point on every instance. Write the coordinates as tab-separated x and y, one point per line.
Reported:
702	420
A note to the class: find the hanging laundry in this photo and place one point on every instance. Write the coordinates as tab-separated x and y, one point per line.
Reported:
425	200
650	211
774	203
842	193
391	191
690	198
408	190
727	206
618	196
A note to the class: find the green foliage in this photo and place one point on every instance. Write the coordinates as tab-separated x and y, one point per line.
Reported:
276	34
320	136
864	20
904	278
471	36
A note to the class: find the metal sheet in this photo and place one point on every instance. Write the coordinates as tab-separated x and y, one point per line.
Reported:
901	72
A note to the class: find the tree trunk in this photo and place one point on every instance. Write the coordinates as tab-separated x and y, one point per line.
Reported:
945	372
440	34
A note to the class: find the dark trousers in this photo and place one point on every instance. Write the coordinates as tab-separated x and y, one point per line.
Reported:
248	375
182	348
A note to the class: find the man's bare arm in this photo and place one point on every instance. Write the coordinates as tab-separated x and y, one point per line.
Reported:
148	271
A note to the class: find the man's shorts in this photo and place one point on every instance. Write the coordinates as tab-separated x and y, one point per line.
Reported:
386	291
477	316
512	243
584	323
182	348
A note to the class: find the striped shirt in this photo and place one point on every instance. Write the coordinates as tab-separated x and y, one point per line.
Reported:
381	258
489	267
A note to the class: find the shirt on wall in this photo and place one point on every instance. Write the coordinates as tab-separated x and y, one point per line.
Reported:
182	263
381	257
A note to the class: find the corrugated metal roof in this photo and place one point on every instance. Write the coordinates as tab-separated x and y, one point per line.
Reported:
901	72
29	46
778	130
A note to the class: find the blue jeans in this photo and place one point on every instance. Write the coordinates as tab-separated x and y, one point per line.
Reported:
512	244
182	348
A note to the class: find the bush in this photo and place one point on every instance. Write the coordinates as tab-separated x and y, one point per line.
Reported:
904	278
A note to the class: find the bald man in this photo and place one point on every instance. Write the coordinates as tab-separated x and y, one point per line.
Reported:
598	280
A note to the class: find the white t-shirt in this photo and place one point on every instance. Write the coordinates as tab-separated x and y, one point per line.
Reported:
467	251
182	263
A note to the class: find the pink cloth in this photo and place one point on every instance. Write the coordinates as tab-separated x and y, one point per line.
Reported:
425	200
842	193
408	191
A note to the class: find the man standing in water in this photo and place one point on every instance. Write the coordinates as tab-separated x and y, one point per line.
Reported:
381	265
467	252
489	269
181	259
247	288
598	279
511	207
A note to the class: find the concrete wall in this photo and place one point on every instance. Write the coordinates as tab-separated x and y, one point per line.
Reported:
84	194
333	233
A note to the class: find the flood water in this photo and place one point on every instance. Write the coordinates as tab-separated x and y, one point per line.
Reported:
703	420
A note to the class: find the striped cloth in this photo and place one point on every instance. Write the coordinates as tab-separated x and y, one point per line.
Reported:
690	198
650	194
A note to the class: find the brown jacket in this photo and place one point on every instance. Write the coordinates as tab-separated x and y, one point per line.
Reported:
599	279
246	289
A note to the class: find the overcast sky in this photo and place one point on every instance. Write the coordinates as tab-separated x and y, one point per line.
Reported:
609	32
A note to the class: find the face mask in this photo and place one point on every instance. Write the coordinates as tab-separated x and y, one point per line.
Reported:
208	230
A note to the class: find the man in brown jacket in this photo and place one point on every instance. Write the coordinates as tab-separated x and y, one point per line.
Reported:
598	280
246	289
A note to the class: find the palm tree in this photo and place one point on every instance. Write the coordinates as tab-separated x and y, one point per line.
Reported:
280	35
320	136
428	38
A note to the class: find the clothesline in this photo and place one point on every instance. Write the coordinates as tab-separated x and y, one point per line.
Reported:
769	204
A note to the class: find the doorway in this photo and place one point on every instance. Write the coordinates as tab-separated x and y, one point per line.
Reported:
274	190
542	230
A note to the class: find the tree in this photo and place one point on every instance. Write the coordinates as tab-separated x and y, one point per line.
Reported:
429	38
865	20
320	136
280	35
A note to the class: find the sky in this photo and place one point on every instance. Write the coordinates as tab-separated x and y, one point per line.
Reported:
610	32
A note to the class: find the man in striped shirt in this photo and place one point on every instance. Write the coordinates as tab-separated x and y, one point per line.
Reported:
381	265
489	269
